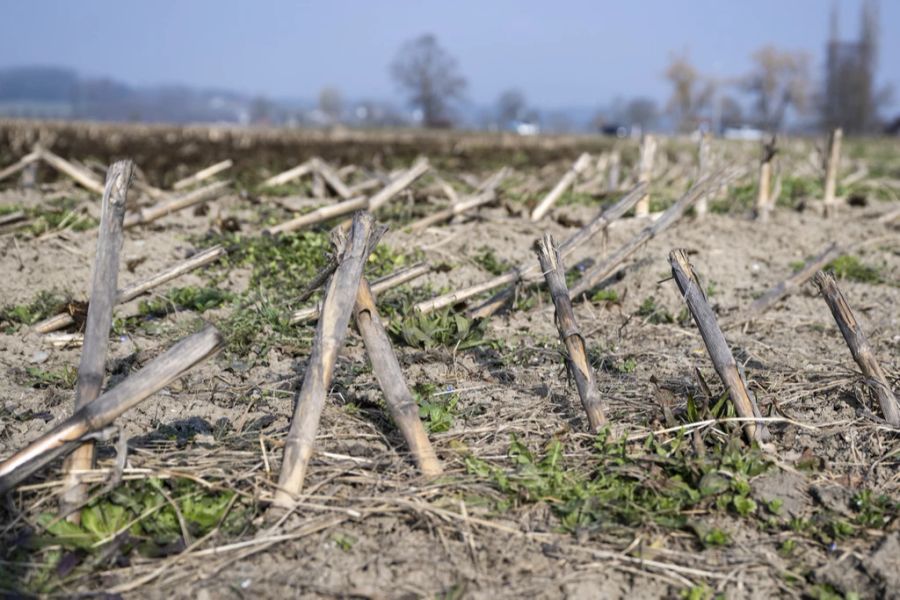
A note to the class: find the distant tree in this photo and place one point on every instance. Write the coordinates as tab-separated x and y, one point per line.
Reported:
510	106
849	98
331	103
643	112
430	77
730	113
779	80
691	93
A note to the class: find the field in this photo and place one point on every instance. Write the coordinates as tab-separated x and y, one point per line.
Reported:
666	500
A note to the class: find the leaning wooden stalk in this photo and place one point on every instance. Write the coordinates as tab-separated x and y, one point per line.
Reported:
723	361
102	412
764	198
82	177
330	333
559	189
859	346
203	174
606	267
576	353
379	286
133	290
92	368
831	169
158	211
598	224
398	184
331	178
788	286
19	165
289	175
645	172
486	195
318	216
403	407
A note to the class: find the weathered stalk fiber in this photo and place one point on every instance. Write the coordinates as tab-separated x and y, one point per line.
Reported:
203	174
158	211
569	332
583	162
832	164
380	285
93	417
723	361
92	368
788	286
133	290
859	346
606	267
330	333
597	224
403	407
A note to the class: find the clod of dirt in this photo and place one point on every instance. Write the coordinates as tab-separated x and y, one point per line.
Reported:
833	497
845	575
885	565
789	488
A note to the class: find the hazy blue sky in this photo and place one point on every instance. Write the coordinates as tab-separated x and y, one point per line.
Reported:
559	52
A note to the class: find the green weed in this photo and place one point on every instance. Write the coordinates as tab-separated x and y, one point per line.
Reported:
850	267
437	410
654	313
45	304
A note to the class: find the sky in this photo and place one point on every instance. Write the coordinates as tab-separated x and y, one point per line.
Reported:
560	53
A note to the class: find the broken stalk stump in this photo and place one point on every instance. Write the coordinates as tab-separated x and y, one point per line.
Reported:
103	411
330	333
764	198
576	353
92	368
704	163
158	211
403	408
203	174
832	164
133	290
859	346
723	361
559	189
645	172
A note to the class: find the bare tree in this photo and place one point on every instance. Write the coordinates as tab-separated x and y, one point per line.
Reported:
730	113
779	80
430	77
691	93
643	112
849	99
510	106
331	103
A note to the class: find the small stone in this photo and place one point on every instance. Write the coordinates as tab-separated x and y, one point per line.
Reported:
39	357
